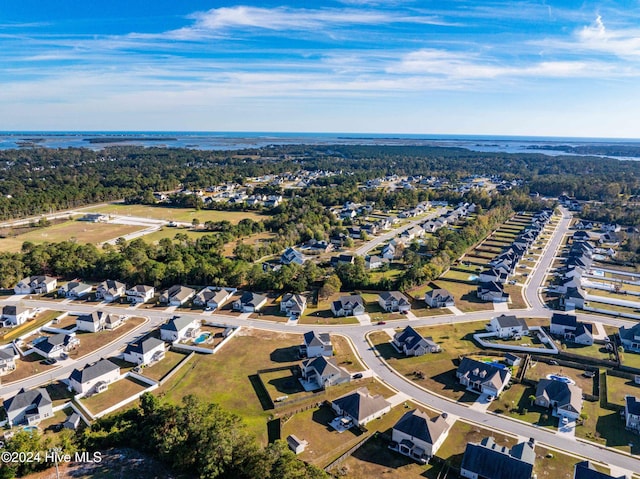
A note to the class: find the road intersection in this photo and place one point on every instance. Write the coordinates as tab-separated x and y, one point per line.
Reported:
357	335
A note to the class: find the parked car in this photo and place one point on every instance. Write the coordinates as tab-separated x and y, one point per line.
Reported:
356	376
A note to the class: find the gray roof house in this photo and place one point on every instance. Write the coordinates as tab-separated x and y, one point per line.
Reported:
489	460
8	356
54	346
16	314
178	328
293	304
506	326
94	377
36	285
249	302
145	350
392	301
140	293
632	413
630	338
412	343
352	305
418	436
439	298
177	295
493	292
29	407
586	470
212	298
110	290
361	406
316	344
74	290
482	378
565	399
324	372
291	255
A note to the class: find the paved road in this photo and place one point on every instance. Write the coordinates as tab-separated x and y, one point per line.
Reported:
357	335
369	245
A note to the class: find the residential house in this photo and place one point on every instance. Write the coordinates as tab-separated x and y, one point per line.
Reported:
630	338
316	344
145	351
583	334
493	292
573	298
28	407
586	470
177	295
412	343
324	372
291	255
36	285
609	239
361	406
318	247
394	301
563	323
342	259
96	321
439	298
482	378
110	290
492	274
211	298
632	413
140	293
507	326
94	378
250	302
293	304
375	262
52	347
8	356
15	315
74	290
487	459
389	252
352	305
179	328
418	436
565	399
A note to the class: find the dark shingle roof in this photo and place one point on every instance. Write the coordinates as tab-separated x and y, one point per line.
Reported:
487	459
585	470
93	371
417	424
39	397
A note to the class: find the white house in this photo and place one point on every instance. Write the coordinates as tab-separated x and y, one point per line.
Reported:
110	290
439	298
211	297
391	301
632	413
8	356
140	293
250	302
418	436
179	328
74	290
53	346
15	315
177	295
507	326
324	372
97	321
412	343
145	351
352	305
28	407
36	285
293	304
94	378
316	344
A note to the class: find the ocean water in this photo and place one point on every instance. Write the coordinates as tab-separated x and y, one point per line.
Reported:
241	140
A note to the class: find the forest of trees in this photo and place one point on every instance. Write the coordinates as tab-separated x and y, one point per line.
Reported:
40	180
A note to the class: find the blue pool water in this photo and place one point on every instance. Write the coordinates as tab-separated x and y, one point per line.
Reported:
30	428
562	379
202	338
473	277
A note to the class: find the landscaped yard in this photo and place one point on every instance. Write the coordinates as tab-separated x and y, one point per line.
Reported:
82	231
118	391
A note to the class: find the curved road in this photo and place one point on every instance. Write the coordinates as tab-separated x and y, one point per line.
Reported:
357	335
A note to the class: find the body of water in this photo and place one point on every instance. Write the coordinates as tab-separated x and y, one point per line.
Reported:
242	140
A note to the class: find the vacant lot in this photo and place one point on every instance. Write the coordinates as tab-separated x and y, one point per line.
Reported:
118	391
82	231
175	214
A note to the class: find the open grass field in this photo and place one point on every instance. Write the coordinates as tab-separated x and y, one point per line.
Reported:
175	214
118	391
82	231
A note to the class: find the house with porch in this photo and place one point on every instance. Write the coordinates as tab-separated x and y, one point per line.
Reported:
140	293
439	298
352	305
145	351
316	344
36	285
360	406
418	436
212	298
94	378
324	372
565	399
630	338
28	407
176	295
508	326
394	301
15	315
179	328
74	290
293	304
632	413
412	343
52	347
8	356
250	302
482	378
110	290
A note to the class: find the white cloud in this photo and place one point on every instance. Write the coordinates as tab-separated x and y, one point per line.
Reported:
621	42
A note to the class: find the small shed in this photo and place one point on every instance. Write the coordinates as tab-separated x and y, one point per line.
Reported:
295	444
512	359
72	421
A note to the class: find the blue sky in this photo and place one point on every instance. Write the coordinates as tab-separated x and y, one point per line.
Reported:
561	68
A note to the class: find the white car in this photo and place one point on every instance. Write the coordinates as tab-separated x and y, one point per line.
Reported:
565	420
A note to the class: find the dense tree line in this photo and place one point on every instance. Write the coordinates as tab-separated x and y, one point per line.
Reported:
43	180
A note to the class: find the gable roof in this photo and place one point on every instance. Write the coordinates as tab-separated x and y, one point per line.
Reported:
40	397
394	295
143	345
361	404
13	310
632	405
485	373
93	371
439	293
567	396
586	470
511	321
348	302
417	424
177	323
487	459
251	299
47	345
562	319
311	338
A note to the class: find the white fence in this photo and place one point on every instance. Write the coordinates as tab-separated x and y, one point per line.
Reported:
549	349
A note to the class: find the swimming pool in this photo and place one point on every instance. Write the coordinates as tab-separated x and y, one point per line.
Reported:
473	277
202	338
30	428
562	379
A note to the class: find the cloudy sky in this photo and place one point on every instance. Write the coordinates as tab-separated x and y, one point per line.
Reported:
561	68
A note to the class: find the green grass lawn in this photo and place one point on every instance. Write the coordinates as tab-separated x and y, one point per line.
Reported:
465	295
160	369
118	391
